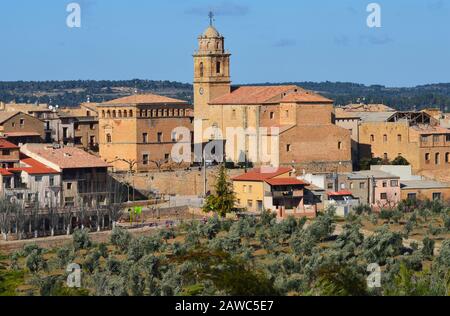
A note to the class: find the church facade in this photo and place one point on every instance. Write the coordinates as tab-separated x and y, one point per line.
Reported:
266	125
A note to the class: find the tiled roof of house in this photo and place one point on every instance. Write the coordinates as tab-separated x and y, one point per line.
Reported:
285	181
144	99
423	184
340	193
5	172
64	157
256	95
305	97
32	166
262	174
4	116
4	144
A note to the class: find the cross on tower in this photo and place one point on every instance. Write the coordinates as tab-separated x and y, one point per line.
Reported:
211	17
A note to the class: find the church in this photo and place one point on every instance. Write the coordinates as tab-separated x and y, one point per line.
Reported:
297	126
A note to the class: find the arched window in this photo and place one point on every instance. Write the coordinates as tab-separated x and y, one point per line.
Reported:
339	145
108	138
120	113
108	114
141	113
437	159
427	157
201	69
218	67
218	45
114	113
103	113
131	113
125	113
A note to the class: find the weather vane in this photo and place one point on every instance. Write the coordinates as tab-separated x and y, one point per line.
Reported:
211	17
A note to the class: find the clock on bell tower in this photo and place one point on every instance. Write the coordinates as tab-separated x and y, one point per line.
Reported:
211	71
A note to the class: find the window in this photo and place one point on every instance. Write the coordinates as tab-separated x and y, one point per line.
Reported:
427	157
447	138
272	115
394	183
174	136
166	156
437	159
145	159
51	181
447	157
372	138
218	67
244	188
342	186
399	138
436	138
108	138
330	186
69	186
92	126
339	145
383	196
145	138
412	196
160	137
424	138
233	114
362	185
385	138
288	147
22	122
385	184
69	201
437	196
6	152
385	156
201	67
38	178
351	185
250	203
238	201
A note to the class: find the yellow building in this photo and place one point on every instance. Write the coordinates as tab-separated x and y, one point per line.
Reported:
425	190
138	132
273	189
416	136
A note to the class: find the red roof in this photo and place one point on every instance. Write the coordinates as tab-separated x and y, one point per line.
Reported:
262	174
305	97
256	95
5	172
4	144
20	134
33	167
285	181
340	193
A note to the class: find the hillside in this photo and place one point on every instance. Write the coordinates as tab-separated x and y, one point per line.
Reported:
71	93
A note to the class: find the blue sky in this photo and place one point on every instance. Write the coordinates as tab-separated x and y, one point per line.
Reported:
271	41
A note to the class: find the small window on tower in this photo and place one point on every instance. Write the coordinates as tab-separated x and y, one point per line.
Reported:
201	69
218	66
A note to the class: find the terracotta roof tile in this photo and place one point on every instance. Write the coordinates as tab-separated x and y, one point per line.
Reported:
64	157
340	193
285	181
262	174
143	99
33	166
305	97
256	94
4	144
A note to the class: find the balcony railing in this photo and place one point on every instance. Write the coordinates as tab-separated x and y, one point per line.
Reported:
284	194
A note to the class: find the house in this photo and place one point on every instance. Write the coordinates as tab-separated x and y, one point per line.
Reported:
84	177
20	128
138	132
9	154
425	190
343	202
273	189
31	184
78	130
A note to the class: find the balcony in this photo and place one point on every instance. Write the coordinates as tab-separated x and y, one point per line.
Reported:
284	194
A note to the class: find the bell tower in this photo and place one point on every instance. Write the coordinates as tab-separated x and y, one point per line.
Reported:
211	71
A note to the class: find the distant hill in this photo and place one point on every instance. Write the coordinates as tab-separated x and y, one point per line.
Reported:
72	93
